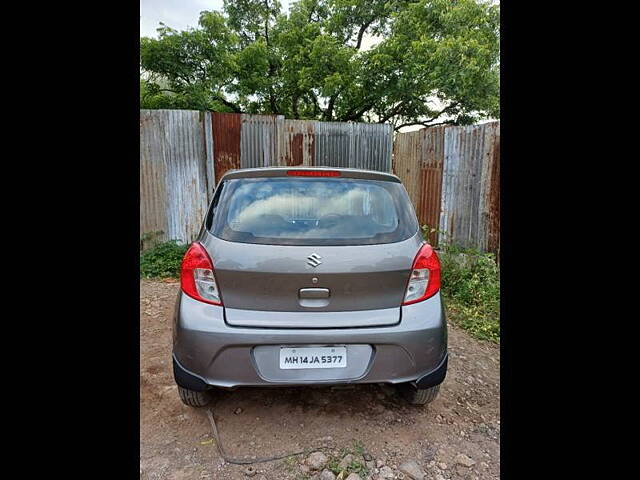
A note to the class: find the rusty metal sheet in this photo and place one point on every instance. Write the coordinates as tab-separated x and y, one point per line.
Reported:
270	140
226	142
452	175
372	146
259	142
457	186
418	159
493	235
469	186
490	197
183	154
431	162
153	216
354	145
207	130
406	162
173	188
333	144
297	144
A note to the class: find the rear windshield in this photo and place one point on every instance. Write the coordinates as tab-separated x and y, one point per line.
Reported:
312	211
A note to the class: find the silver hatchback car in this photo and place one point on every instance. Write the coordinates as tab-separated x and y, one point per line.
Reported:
309	276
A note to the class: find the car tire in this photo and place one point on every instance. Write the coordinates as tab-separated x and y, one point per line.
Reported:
418	396
193	398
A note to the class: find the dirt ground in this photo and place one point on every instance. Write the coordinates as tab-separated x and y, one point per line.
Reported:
176	441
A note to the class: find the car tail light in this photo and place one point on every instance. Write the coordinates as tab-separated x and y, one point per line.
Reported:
424	281
313	173
196	276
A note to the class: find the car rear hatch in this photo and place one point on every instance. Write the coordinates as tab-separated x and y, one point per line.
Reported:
295	251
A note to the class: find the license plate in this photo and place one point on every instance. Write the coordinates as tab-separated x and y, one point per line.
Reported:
313	357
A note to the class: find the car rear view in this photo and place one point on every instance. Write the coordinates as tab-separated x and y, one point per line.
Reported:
309	276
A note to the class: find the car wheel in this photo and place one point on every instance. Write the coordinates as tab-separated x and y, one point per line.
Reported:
418	396
193	398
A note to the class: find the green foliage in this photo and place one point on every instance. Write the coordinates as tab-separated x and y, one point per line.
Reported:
435	61
290	464
471	288
162	260
189	67
358	447
356	466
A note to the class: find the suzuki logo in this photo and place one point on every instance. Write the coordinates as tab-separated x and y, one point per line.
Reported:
313	260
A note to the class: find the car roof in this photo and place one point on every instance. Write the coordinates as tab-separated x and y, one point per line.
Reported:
282	172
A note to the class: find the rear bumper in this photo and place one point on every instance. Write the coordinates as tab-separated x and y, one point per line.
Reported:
191	381
209	352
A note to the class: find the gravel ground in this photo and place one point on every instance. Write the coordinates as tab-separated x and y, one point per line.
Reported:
455	437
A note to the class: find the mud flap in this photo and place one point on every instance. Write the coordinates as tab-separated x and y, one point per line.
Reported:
436	377
188	380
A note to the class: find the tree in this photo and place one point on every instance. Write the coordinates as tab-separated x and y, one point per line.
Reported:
436	61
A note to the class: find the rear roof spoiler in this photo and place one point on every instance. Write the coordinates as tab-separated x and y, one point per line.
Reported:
283	172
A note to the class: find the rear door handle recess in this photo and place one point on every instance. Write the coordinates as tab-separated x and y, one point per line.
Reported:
314	293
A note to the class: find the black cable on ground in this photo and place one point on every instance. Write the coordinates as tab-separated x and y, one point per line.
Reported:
243	461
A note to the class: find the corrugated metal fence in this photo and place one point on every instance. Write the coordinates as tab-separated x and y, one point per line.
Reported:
245	141
452	175
184	153
173	173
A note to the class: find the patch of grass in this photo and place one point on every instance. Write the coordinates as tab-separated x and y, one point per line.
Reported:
333	462
356	466
290	463
471	288
358	447
162	260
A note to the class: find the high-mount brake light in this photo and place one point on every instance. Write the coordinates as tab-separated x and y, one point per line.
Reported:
196	276
313	173
424	281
